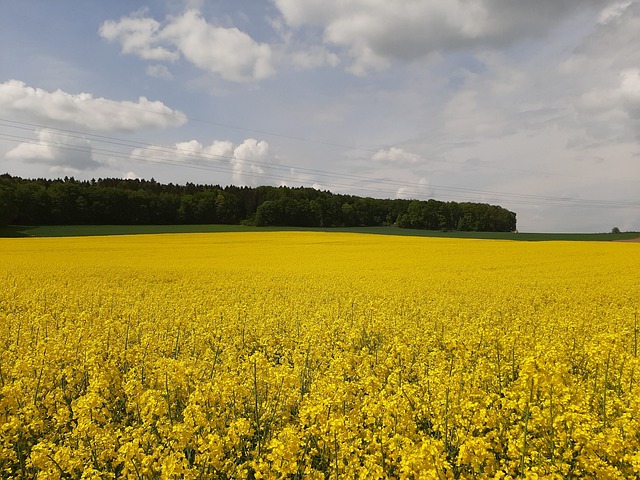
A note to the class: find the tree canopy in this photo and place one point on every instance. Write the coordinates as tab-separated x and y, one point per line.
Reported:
146	202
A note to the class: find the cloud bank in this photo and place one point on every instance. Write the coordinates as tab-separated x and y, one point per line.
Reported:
227	52
61	152
373	33
516	102
248	162
84	110
395	156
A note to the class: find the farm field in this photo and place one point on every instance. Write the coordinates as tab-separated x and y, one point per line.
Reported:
318	355
15	231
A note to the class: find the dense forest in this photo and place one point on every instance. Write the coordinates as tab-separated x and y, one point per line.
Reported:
112	201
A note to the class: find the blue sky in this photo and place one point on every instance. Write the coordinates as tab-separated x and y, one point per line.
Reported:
534	106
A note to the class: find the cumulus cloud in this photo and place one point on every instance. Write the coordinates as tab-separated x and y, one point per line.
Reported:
625	95
469	115
402	192
159	71
227	52
609	112
313	57
219	154
247	159
138	36
602	77
58	150
613	12
247	162
85	110
613	42
395	156
375	32
630	90
420	190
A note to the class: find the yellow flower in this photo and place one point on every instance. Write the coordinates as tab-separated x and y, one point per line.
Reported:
281	354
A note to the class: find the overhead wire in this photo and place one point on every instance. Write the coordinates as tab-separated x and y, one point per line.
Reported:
193	160
483	165
515	198
176	113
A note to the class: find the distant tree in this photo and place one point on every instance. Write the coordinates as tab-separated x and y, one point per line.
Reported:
186	211
615	230
227	208
118	201
6	205
349	215
32	204
288	212
205	207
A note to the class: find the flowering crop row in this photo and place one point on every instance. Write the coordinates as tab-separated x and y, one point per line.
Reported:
318	355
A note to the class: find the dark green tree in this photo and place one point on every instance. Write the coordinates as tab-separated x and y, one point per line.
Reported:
118	201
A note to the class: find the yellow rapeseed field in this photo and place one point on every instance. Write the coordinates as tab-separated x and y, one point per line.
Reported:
318	355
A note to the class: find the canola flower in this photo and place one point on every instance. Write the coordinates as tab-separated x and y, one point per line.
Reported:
290	355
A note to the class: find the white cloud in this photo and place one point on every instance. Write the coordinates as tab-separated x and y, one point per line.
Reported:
159	71
247	162
219	153
395	155
610	112
138	36
613	12
84	110
531	98
402	193
611	46
227	52
601	77
219	149
313	57
468	115
374	32
58	150
420	190
630	88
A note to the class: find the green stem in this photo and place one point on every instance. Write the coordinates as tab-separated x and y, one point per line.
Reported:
552	429
527	414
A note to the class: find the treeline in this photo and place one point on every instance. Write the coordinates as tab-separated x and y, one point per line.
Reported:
145	202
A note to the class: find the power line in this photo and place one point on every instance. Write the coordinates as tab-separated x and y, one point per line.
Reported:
176	113
513	198
225	168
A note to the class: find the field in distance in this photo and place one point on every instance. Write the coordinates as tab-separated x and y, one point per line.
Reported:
281	354
93	230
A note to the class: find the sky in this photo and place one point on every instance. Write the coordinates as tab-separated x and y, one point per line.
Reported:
534	106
